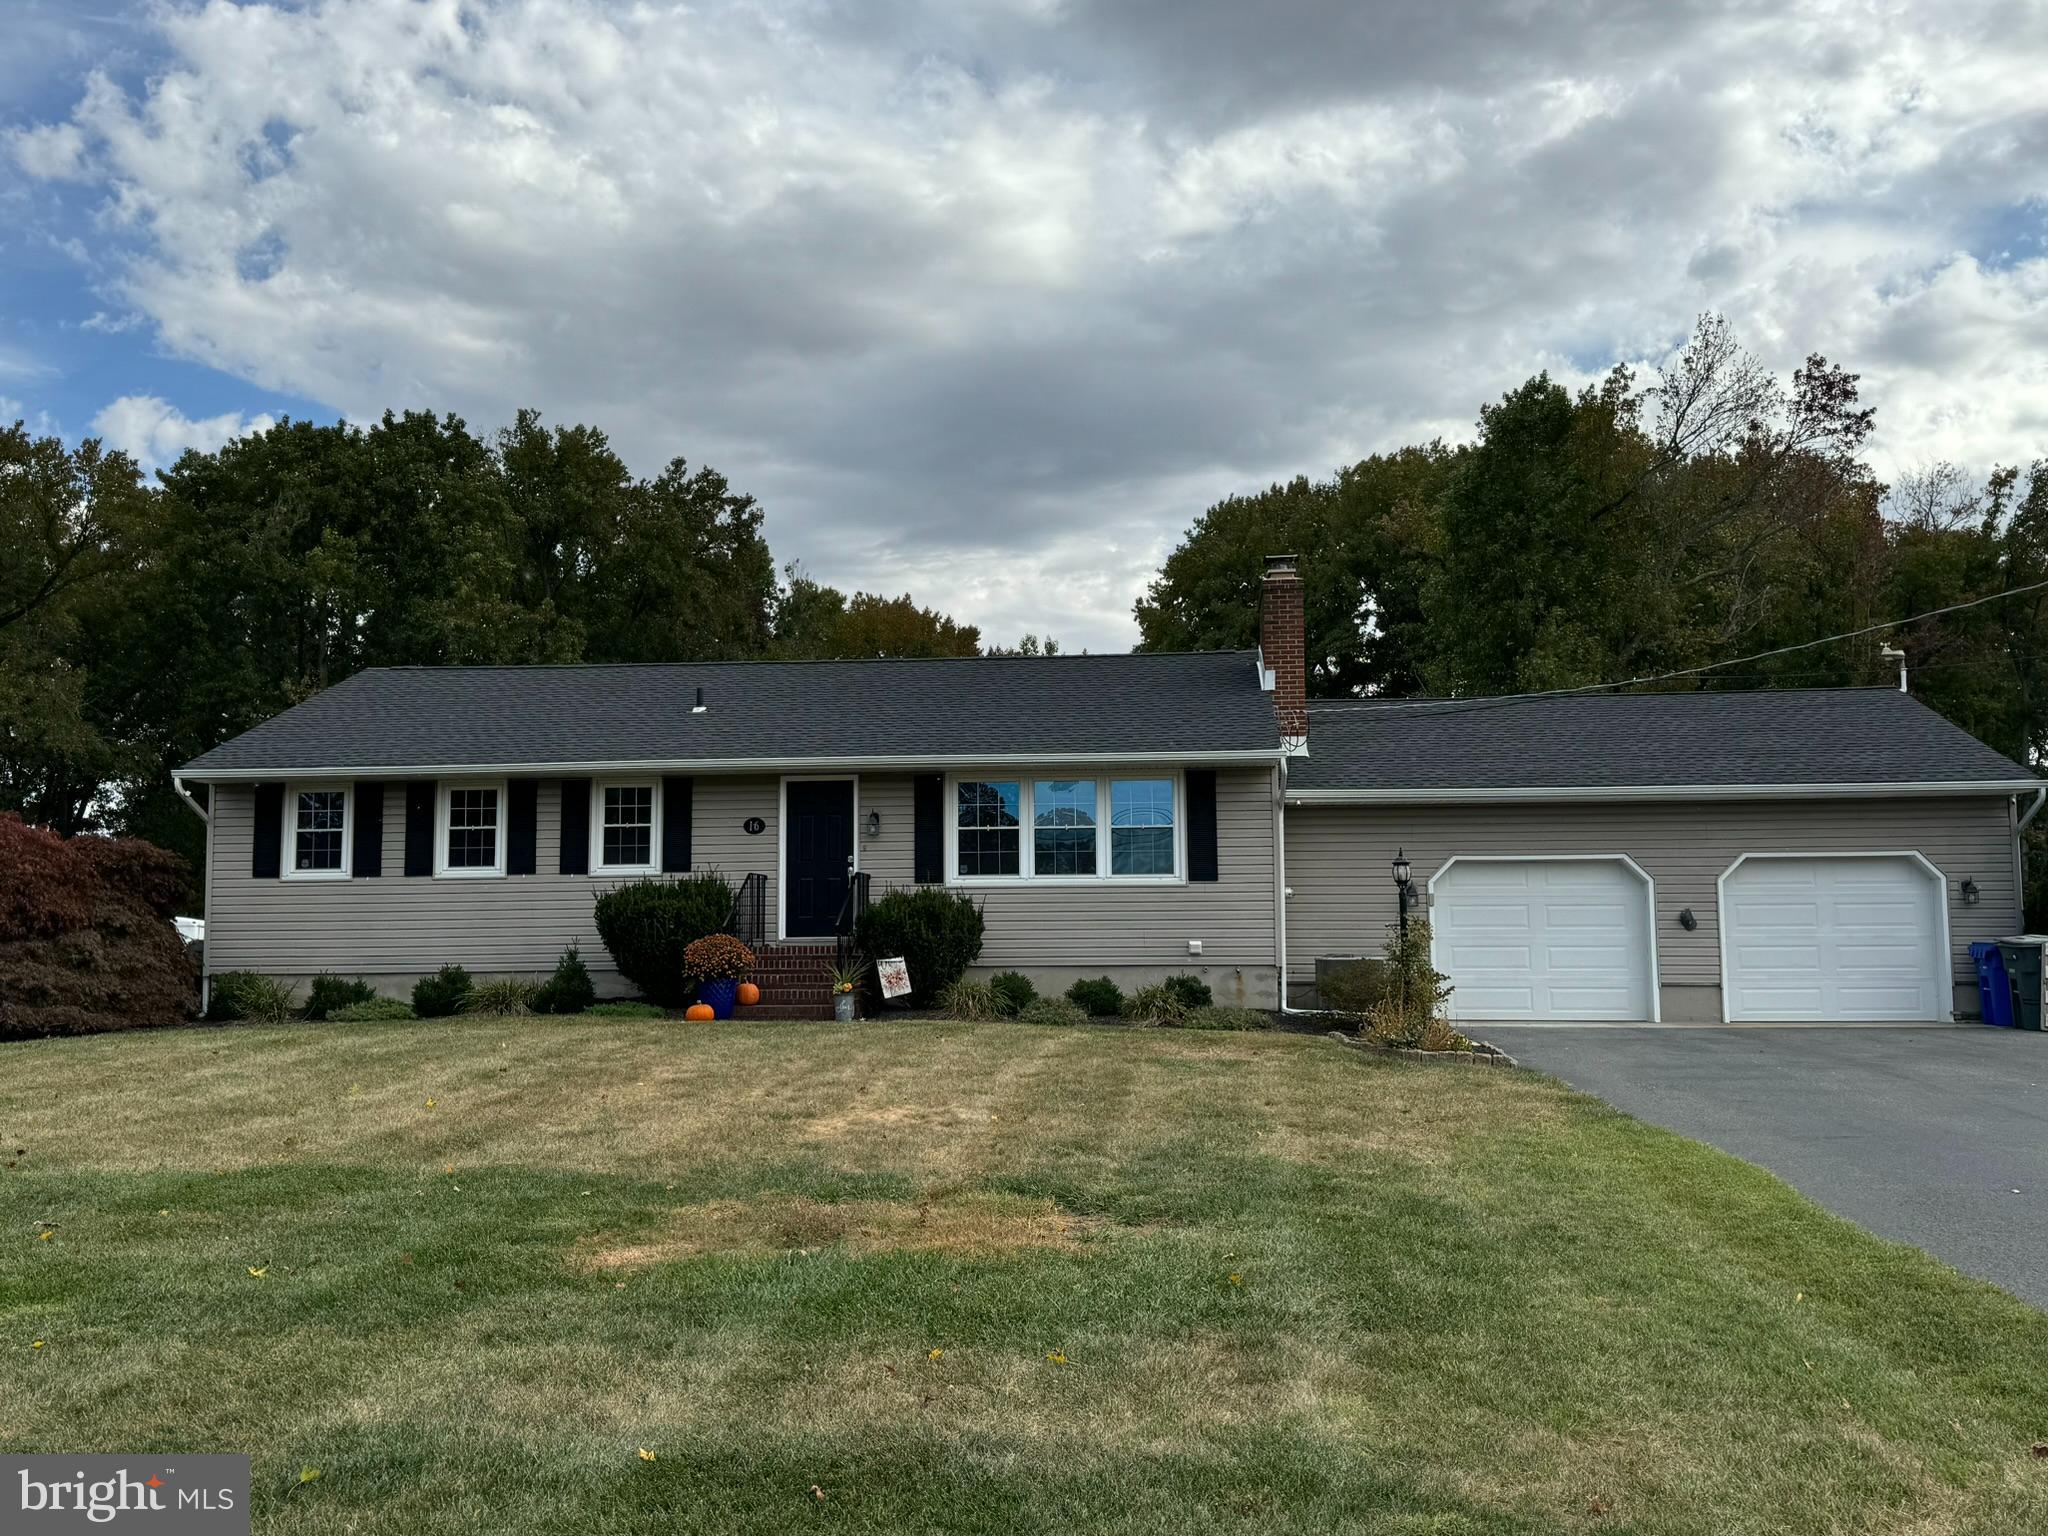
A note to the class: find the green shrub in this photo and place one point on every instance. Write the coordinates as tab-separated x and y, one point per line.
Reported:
937	933
569	990
647	924
1101	997
1192	991
443	993
1053	1010
971	1000
1357	988
1228	1018
1014	992
623	1010
1158	1004
247	995
1410	1011
505	994
330	992
377	1010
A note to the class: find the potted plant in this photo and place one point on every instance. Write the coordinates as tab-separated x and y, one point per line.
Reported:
846	985
716	963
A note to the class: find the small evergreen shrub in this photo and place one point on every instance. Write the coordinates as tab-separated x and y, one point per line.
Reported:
970	1000
569	990
377	1010
1158	1004
330	992
1191	991
623	1010
1014	992
505	994
443	993
1228	1018
1053	1010
247	995
1410	1012
647	924
938	934
1101	997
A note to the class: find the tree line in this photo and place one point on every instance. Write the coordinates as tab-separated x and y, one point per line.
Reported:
143	622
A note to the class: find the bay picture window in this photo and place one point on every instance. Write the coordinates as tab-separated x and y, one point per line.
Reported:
1079	829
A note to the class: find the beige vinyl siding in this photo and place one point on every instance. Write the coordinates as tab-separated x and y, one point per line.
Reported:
399	926
1338	862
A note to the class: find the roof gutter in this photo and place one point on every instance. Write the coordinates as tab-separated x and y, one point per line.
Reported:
1635	792
930	761
185	795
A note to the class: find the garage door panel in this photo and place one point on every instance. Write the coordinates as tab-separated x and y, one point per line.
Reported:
1543	939
1867	937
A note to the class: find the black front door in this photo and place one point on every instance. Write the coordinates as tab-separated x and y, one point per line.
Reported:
819	859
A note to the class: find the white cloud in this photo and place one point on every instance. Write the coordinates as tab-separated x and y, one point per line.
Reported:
989	299
154	432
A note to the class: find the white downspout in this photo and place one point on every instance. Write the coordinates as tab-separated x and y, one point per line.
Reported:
2019	855
206	903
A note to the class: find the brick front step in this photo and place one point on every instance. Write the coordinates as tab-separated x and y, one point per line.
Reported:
767	1010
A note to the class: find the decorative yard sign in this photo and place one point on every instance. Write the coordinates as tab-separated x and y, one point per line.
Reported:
754	826
895	978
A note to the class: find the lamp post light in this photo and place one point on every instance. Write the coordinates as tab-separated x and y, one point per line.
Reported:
1403	882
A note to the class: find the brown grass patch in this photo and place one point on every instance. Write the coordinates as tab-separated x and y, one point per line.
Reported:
970	1224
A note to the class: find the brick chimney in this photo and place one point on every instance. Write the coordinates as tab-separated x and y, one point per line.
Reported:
1283	644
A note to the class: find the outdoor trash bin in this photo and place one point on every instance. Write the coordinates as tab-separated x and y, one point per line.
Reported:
1994	987
2022	955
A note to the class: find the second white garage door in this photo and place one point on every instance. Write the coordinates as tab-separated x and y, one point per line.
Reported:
1544	938
1807	937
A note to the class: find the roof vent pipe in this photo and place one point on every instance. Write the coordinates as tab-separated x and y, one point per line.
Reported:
698	707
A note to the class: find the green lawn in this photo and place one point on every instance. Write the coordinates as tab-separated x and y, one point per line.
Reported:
964	1277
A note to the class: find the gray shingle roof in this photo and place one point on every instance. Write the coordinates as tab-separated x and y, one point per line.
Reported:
1642	740
445	717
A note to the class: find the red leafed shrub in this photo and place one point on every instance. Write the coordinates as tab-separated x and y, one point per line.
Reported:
86	942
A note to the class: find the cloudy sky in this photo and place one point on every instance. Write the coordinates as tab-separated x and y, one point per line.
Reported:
988	298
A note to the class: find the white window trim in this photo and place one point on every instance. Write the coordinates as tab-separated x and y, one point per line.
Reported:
597	863
1026	842
442	795
289	855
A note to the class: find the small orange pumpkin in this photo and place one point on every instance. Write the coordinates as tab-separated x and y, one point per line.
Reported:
749	993
699	1011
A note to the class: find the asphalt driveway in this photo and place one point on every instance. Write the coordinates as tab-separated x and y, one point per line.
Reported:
1936	1137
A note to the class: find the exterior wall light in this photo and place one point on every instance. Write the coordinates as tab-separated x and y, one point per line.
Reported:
1686	920
1970	893
874	823
1404	885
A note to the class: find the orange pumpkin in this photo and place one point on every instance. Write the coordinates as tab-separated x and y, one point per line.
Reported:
699	1011
749	993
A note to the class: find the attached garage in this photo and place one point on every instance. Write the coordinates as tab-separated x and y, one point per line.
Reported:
1834	937
1689	858
1545	938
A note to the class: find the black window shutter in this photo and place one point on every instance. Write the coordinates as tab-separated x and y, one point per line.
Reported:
928	836
522	832
1201	823
266	843
676	801
419	827
366	860
575	826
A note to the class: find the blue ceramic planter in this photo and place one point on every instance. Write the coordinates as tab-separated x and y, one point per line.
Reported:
720	995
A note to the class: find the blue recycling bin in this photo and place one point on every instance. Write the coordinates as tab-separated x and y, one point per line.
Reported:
1994	988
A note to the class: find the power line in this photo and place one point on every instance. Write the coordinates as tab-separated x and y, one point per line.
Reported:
1501	701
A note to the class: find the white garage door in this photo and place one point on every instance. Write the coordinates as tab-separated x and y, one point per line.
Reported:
1543	938
1812	937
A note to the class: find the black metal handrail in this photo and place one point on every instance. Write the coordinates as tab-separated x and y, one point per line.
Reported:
750	912
850	910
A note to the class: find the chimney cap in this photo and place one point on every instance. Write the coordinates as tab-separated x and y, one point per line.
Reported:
1282	565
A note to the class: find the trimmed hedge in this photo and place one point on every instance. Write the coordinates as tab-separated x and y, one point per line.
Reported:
443	993
1014	992
1101	997
937	933
330	993
647	924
